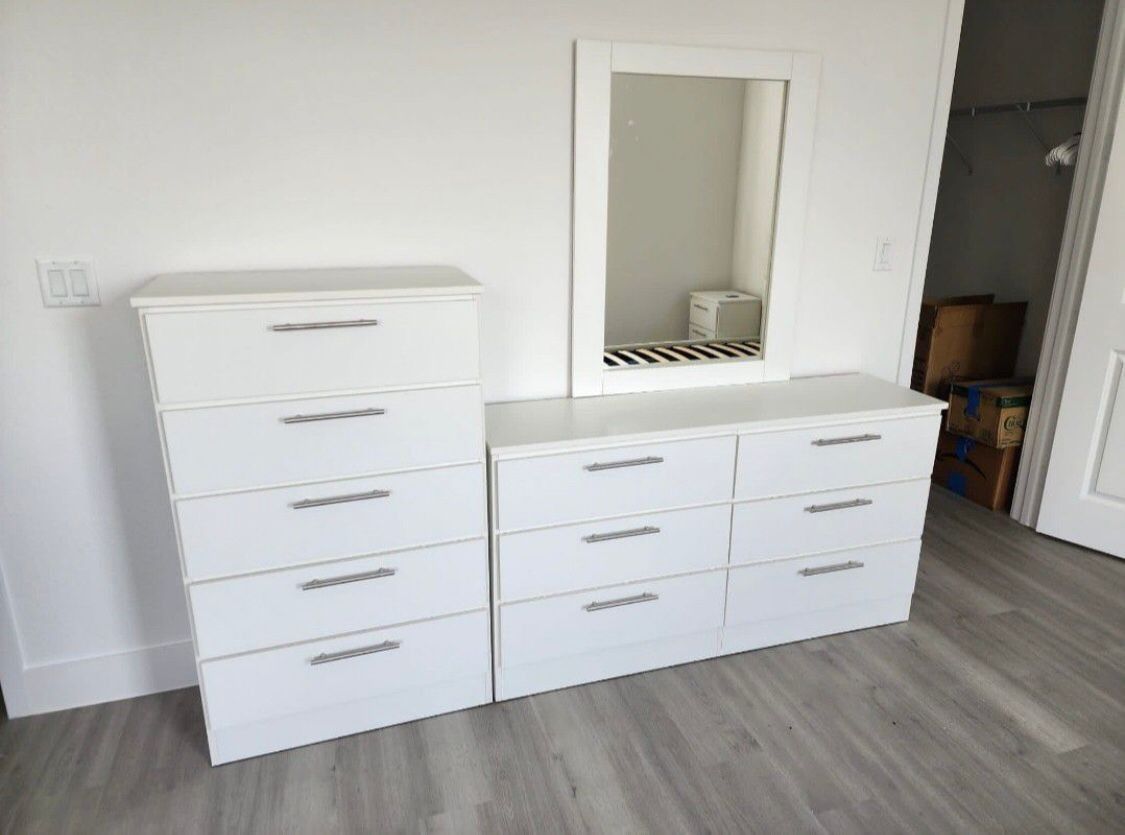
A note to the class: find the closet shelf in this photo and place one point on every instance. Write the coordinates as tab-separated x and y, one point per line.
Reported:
1021	107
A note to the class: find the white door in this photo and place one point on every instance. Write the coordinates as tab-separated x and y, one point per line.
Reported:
1084	494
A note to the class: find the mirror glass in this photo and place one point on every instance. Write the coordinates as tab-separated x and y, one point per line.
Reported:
693	176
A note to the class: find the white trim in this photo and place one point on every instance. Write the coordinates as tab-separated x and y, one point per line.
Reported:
1074	256
939	124
62	685
595	62
12	678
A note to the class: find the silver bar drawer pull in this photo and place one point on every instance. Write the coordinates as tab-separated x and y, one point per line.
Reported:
597	606
351	497
632	462
605	537
378	574
334	415
328	657
821	508
828	569
701	307
317	326
850	439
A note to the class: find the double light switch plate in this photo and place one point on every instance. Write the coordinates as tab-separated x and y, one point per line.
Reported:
68	283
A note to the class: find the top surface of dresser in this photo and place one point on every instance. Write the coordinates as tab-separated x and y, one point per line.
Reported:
287	286
525	427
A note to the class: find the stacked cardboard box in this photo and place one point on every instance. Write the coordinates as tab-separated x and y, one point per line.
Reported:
961	340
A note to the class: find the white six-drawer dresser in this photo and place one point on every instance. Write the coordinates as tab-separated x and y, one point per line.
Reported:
323	439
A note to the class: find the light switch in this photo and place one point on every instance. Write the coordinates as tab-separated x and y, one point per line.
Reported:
57	283
884	248
68	282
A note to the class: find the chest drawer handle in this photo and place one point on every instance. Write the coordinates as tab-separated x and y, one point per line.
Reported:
334	415
822	508
828	569
851	439
597	606
378	574
328	657
317	326
351	497
616	465
701	307
605	537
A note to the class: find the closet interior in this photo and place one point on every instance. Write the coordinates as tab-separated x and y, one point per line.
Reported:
1013	141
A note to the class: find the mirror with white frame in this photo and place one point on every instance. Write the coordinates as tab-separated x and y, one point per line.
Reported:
690	172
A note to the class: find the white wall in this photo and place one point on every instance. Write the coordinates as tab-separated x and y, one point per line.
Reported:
675	144
999	229
168	135
762	120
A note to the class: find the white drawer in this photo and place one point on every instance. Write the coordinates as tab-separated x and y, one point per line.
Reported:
261	352
551	560
243	532
616	616
828	457
696	332
231	447
292	680
284	607
812	584
704	313
613	482
830	521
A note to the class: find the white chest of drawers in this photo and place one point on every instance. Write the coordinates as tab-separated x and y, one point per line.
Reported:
638	531
323	438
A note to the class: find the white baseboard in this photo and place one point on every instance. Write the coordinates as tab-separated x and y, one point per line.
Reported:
104	678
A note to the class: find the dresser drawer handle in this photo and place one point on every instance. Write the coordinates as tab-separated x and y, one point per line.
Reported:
597	606
851	439
828	569
605	537
334	415
328	657
316	326
822	508
701	307
378	574
351	497
633	462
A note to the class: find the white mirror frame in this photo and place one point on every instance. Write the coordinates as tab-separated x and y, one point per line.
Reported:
595	63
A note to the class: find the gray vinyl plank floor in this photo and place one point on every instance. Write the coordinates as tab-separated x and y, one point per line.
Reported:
1000	705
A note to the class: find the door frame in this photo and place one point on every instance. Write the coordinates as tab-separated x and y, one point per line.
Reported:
1074	257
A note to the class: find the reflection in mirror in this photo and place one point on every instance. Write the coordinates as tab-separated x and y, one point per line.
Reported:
693	175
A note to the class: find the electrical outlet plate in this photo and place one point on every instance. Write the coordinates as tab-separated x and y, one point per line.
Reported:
68	282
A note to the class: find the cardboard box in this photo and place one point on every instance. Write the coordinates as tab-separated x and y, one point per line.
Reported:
965	337
983	474
993	412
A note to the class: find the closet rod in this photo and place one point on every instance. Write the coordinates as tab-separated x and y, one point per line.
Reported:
1019	106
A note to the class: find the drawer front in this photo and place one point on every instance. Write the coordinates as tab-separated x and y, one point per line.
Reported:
704	313
829	521
552	560
230	354
812	584
827	457
232	447
243	532
613	482
292	680
696	332
284	607
616	616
